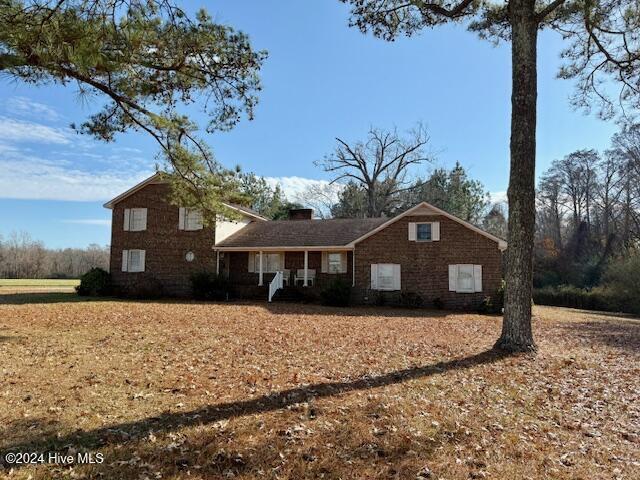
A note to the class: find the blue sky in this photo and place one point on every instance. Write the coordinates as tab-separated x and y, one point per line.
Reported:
321	80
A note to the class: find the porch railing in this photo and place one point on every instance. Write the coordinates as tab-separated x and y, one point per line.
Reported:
276	284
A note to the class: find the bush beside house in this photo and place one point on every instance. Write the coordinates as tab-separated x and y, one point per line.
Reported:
96	282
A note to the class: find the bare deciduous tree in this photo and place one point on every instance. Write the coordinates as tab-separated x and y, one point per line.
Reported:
381	164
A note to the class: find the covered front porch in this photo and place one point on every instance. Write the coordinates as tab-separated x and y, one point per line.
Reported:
270	269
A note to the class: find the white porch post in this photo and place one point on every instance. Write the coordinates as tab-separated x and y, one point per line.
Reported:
217	262
306	269
353	267
260	270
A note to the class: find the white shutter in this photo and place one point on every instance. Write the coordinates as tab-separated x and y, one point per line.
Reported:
343	262
412	232
374	276
127	219
125	260
396	277
251	268
181	218
477	278
324	267
435	231
142	255
453	278
144	218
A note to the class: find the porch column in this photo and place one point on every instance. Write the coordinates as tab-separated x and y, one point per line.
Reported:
306	269
217	262
260	269
353	267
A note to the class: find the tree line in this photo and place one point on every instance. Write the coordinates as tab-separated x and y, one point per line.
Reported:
23	257
588	217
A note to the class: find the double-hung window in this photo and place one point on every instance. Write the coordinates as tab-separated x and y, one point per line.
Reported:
133	260
385	276
465	278
424	231
334	262
190	219
135	219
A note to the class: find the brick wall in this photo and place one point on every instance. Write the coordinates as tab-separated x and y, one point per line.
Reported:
165	245
424	265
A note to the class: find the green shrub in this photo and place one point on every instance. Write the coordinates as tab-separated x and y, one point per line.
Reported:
411	300
95	282
209	286
337	293
438	303
599	298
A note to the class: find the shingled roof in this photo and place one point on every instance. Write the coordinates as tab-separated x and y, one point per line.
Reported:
302	233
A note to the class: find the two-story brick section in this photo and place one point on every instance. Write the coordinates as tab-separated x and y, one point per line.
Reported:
424	251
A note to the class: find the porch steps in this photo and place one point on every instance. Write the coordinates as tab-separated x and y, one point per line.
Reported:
288	294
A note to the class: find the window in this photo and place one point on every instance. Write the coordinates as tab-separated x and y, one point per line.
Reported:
271	262
465	278
423	232
385	276
334	261
135	219
133	260
190	219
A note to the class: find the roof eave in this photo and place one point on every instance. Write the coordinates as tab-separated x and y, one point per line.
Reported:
295	248
156	178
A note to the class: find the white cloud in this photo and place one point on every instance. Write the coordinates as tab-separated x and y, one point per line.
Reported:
294	186
12	130
31	177
89	221
498	197
25	107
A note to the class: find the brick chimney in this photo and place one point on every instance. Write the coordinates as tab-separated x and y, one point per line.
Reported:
300	214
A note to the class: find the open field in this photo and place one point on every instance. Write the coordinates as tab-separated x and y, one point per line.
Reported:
35	286
189	390
38	282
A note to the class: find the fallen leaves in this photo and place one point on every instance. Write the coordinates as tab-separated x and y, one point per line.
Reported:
188	390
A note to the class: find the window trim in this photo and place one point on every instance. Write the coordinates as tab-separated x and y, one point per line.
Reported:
393	287
476	278
340	265
141	256
188	216
430	239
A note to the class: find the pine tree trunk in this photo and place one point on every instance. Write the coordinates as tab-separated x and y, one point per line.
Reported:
516	327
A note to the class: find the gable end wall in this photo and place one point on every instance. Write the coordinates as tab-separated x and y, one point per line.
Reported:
424	265
165	245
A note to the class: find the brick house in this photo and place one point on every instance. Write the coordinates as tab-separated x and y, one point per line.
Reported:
423	251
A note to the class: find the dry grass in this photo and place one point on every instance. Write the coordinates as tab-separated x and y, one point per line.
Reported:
38	282
187	390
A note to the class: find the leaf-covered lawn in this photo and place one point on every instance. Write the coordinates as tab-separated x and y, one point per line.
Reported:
187	390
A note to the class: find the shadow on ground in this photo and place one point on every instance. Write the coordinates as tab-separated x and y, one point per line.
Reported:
25	298
171	422
623	334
